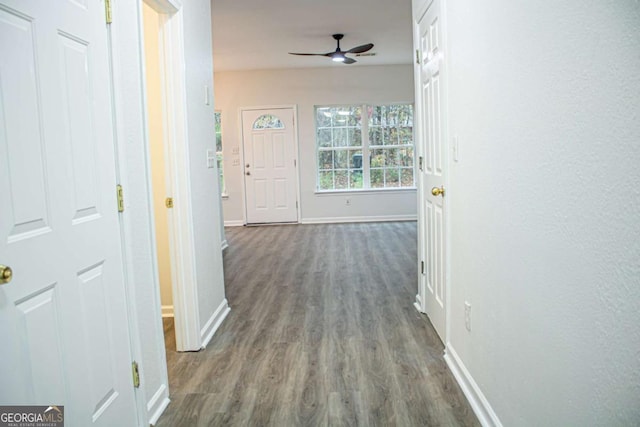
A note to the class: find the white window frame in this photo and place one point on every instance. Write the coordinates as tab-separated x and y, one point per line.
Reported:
366	151
220	164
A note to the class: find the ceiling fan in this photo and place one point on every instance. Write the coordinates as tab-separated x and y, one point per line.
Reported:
340	55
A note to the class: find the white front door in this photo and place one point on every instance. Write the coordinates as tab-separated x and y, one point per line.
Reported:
434	149
270	165
63	316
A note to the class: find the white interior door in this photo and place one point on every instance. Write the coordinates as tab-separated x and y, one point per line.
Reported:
63	317
434	149
270	165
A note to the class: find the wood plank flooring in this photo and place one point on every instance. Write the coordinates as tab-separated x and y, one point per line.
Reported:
322	331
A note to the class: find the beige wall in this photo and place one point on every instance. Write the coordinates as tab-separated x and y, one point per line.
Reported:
305	88
154	108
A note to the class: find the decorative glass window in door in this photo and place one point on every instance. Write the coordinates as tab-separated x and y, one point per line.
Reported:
267	121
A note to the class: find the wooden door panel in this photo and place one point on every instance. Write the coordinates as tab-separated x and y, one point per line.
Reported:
270	172
63	317
430	255
434	147
279	148
76	108
258	158
38	323
22	184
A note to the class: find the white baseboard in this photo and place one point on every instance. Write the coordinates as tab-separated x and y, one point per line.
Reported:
478	402
418	304
225	244
337	220
234	223
158	403
167	311
214	323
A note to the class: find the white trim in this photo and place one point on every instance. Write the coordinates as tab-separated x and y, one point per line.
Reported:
419	175
355	192
234	223
130	121
297	163
268	107
165	6
418	304
214	322
479	403
225	244
446	135
338	220
181	234
167	311
158	403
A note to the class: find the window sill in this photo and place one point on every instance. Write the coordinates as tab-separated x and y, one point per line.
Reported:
366	191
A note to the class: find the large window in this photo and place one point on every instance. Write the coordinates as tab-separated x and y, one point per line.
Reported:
218	124
364	147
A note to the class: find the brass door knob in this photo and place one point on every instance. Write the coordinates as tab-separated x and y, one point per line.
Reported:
437	191
5	274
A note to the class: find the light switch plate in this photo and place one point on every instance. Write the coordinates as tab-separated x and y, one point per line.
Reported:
211	159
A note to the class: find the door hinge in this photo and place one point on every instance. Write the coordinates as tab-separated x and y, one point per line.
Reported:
120	198
169	202
107	11
418	56
296	205
421	267
295	163
421	163
135	373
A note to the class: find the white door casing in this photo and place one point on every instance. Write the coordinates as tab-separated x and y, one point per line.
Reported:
433	175
63	317
270	167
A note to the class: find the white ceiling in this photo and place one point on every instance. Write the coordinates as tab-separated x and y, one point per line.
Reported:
257	34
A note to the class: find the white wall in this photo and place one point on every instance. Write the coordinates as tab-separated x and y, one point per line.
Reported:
204	181
307	88
156	143
545	207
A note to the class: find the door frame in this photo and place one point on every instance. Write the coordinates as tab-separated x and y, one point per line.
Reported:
138	225
180	218
294	109
420	8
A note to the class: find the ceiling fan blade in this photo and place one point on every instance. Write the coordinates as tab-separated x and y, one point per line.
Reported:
361	49
349	61
311	54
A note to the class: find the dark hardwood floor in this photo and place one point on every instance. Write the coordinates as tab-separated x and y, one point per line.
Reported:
322	331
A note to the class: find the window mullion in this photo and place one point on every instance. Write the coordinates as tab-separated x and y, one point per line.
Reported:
366	161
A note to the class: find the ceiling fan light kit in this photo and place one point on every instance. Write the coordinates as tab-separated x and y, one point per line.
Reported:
339	55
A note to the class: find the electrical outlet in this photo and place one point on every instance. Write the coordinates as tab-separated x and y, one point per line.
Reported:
467	315
348	202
